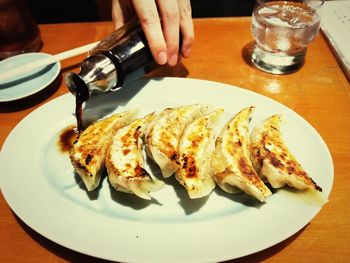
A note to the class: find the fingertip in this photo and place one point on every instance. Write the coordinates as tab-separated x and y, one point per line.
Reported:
187	42
162	58
186	52
172	60
186	47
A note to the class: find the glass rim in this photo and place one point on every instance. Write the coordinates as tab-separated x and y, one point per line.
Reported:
315	7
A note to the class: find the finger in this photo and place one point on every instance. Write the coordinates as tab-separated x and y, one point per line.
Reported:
169	12
186	27
117	14
150	22
122	11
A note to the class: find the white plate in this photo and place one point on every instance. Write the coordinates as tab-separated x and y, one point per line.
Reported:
39	185
30	82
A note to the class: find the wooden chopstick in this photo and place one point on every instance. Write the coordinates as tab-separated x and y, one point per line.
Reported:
45	61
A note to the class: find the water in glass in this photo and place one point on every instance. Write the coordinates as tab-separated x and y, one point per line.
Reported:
282	30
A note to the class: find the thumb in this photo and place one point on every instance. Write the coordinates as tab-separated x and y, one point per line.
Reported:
122	11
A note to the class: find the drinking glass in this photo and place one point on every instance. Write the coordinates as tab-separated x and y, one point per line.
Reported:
19	32
282	31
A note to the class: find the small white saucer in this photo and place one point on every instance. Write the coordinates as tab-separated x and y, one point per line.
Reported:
30	83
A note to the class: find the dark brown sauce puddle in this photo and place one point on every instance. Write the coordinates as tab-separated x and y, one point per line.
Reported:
67	138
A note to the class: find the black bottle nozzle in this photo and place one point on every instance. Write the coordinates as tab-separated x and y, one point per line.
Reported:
77	86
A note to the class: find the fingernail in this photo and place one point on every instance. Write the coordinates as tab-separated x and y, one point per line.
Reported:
162	58
172	60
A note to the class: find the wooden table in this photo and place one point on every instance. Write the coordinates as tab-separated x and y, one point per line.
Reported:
319	92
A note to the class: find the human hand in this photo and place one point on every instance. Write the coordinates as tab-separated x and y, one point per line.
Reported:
162	22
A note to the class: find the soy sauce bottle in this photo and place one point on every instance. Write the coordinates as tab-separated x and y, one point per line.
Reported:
119	56
115	59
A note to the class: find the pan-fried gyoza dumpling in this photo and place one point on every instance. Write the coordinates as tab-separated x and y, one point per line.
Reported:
163	136
89	150
125	162
194	155
233	170
273	160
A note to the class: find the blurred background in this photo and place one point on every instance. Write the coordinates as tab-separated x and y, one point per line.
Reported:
64	11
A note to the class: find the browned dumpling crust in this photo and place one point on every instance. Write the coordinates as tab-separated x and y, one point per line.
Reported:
89	150
231	159
194	155
273	160
163	136
125	162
